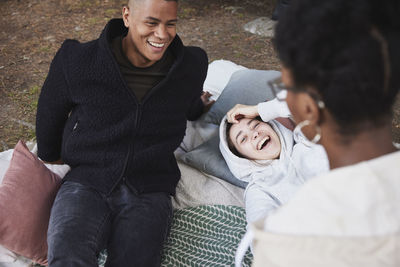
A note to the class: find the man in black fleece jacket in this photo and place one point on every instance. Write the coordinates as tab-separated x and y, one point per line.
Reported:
115	109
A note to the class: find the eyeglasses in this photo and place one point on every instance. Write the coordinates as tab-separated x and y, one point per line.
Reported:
279	90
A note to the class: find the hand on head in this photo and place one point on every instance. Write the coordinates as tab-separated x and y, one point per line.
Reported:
240	111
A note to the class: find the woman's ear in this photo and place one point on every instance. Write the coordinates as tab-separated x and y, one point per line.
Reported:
301	104
287	77
125	15
310	111
303	107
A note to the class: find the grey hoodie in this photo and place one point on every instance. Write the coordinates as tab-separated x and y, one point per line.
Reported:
277	179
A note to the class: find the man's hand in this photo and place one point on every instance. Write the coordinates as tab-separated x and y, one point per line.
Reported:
241	111
207	102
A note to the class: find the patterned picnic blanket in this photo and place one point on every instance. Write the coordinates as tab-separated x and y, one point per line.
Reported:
204	236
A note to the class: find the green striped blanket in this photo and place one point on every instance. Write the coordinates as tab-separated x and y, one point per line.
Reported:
204	236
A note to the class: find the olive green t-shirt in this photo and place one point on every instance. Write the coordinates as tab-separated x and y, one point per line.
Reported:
141	80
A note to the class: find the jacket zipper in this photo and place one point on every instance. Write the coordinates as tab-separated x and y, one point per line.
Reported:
130	149
160	84
122	177
138	113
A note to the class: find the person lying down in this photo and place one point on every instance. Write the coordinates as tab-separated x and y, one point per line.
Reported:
273	159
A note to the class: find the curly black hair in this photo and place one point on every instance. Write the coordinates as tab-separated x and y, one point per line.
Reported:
349	51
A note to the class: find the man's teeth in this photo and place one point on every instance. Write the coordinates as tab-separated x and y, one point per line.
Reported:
156	44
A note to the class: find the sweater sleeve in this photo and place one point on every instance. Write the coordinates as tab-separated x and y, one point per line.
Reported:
259	203
197	107
54	105
275	108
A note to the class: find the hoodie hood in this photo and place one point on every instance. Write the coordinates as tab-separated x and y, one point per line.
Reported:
247	170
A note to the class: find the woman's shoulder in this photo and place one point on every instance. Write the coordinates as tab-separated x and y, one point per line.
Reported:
346	200
385	164
366	177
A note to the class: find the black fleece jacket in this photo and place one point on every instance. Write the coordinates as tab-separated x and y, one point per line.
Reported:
88	117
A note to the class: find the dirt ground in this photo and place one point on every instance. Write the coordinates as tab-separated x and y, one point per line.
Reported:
33	30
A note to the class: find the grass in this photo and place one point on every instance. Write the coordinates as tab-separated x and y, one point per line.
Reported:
21	124
187	13
44	49
94	20
112	12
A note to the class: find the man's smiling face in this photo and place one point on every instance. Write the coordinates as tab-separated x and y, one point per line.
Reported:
152	27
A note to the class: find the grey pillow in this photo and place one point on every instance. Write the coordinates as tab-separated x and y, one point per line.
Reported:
248	87
208	158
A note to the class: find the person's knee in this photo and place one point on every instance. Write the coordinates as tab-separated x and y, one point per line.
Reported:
70	245
77	229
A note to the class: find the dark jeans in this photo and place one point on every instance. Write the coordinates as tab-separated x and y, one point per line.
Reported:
131	227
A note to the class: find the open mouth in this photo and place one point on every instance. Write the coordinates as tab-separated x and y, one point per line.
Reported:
156	45
264	142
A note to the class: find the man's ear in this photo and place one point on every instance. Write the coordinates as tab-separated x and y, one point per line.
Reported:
125	15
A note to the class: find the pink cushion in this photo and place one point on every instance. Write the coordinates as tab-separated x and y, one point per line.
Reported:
26	196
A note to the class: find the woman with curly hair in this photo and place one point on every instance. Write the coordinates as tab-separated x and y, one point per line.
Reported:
341	65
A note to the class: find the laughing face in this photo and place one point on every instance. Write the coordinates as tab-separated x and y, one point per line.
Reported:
255	139
151	28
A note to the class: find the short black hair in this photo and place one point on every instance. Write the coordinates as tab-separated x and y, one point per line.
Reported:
337	47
